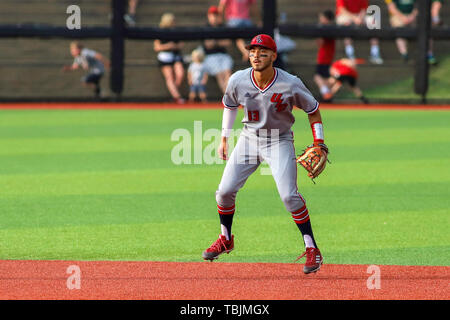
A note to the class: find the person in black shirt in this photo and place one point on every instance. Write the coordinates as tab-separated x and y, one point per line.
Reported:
170	59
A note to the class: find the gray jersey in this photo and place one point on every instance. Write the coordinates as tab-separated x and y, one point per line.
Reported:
87	59
270	107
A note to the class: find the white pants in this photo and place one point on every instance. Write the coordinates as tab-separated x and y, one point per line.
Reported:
246	157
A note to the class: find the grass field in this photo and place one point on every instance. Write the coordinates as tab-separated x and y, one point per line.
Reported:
100	185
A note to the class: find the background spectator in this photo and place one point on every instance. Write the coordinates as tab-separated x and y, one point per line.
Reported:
353	12
218	62
239	13
436	6
402	13
284	46
197	76
90	60
130	17
344	71
325	56
170	59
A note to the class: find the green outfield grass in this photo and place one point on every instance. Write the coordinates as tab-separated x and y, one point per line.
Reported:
100	185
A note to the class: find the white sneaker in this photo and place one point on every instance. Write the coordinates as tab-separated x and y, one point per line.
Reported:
130	20
376	60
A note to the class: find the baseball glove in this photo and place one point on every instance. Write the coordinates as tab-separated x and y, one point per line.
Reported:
314	159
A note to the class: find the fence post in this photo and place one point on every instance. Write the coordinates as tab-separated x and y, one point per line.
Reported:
269	16
117	48
423	34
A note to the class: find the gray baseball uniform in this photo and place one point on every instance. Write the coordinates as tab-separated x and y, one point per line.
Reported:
87	58
266	134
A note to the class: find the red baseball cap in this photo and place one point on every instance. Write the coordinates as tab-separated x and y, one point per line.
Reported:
213	9
263	40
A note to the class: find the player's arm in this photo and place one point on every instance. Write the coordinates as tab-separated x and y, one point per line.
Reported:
340	6
229	116
221	7
306	101
362	13
240	43
158	46
102	59
360	17
189	78
335	86
72	67
205	79
412	16
231	105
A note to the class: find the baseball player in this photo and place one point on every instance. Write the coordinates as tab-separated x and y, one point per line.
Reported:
268	96
342	71
90	60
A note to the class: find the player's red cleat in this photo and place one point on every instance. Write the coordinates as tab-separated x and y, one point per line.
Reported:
314	260
221	245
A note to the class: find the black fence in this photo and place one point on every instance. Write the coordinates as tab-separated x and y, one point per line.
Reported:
118	32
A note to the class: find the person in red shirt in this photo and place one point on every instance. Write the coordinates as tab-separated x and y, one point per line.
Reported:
325	56
344	71
353	12
239	13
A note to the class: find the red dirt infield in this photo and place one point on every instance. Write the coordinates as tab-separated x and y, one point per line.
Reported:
149	280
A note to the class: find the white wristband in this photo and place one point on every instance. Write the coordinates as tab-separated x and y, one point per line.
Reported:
317	130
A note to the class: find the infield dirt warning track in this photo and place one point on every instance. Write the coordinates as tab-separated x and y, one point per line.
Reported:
149	280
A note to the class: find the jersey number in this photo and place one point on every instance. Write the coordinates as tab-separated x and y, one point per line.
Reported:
253	115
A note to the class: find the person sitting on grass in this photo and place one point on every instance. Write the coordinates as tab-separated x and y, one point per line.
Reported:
90	60
344	71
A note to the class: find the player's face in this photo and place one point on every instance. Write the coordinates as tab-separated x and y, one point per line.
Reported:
213	19
74	51
261	58
323	19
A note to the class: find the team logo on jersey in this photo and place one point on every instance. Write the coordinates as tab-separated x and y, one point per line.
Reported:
280	106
